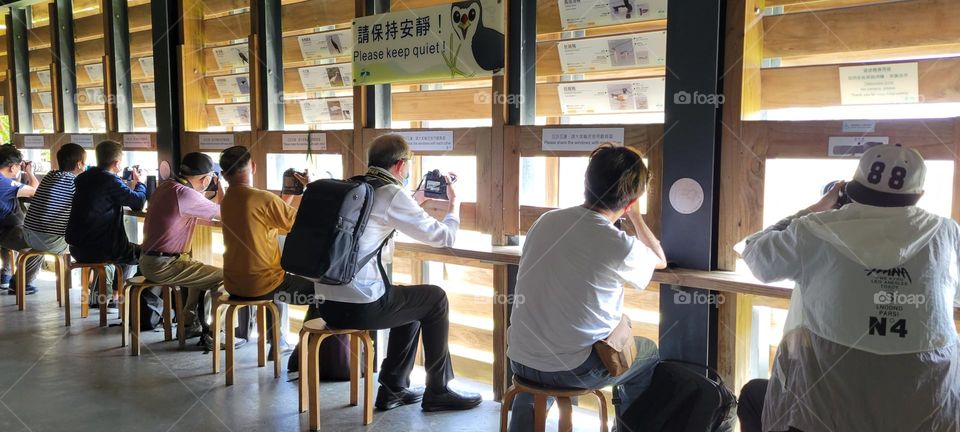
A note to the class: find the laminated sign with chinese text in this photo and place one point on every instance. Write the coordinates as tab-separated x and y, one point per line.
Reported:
458	40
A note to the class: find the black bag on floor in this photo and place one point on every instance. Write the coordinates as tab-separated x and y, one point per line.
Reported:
682	399
151	309
334	359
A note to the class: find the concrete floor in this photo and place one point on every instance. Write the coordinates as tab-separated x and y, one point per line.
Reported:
54	378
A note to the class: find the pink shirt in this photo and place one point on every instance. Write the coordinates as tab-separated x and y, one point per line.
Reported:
172	216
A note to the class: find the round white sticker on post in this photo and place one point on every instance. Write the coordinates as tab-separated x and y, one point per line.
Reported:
686	196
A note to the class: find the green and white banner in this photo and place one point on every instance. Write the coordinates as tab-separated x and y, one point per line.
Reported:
459	40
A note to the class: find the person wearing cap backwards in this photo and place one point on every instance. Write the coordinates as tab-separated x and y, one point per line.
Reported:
869	343
175	207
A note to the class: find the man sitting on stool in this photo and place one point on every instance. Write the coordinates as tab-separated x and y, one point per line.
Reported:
370	303
869	343
46	220
570	286
11	190
95	231
175	208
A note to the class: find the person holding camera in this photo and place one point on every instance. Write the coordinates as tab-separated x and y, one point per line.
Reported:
95	230
12	167
46	220
869	342
570	286
175	207
252	220
371	302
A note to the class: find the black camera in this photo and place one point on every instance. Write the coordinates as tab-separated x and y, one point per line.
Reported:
435	185
843	199
128	172
212	187
291	185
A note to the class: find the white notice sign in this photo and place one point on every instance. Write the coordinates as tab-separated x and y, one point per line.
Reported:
232	86
33	141
304	142
98	120
136	141
879	84
316	111
85	141
46	99
318	78
216	141
233	115
94	72
614	52
853	146
580	139
642	95
146	63
428	140
576	14
231	57
149	92
149	116
322	45
44	78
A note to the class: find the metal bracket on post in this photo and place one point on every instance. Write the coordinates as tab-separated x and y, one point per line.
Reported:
167	81
267	22
117	38
18	55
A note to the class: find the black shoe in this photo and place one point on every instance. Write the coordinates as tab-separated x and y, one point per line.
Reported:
193	331
285	349
31	290
451	400
388	399
207	342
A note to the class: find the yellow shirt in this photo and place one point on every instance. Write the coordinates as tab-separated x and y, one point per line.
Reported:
252	219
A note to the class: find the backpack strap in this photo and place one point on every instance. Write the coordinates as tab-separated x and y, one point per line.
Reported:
376	183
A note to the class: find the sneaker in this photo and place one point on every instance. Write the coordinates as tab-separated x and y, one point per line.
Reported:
12	289
194	330
207	341
112	307
450	400
5	279
388	399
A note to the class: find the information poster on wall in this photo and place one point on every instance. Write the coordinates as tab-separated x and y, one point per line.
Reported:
614	52
216	141
233	115
853	146
315	141
46	99
459	40
46	121
324	45
326	110
136	141
232	86
879	84
428	140
146	64
33	141
580	139
149	116
94	72
643	95
98	120
85	141
576	14
231	57
44	78
149	92
316	78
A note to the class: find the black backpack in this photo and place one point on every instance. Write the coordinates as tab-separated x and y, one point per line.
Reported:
323	243
681	398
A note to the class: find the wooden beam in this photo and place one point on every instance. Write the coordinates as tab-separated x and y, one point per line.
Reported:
792	87
933	138
193	69
316	13
797	6
226	28
734	338
866	33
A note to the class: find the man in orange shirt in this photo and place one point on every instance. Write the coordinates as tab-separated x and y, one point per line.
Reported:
252	219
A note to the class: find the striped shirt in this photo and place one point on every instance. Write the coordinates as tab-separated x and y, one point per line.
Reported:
50	207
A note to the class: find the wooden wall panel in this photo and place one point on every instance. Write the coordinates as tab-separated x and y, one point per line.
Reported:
226	28
785	139
643	137
315	13
797	6
337	141
214	7
548	21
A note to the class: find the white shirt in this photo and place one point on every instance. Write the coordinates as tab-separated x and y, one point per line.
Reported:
393	209
570	287
870	325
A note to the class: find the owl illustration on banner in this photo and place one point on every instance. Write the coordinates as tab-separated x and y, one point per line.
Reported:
486	44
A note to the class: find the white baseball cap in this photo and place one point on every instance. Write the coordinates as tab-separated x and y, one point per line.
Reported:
888	176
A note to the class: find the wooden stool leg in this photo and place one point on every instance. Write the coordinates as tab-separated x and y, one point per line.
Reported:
368	379
65	282
354	369
505	407
102	293
313	384
181	331
57	265
566	414
276	339
167	305
85	291
230	330
120	291
215	329
602	400
539	413
134	309
304	376
262	338
21	281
